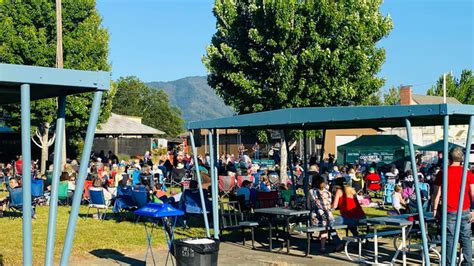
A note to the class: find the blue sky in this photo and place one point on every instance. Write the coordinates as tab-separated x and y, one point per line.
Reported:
162	40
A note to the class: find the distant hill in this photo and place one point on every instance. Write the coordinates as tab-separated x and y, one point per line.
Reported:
195	98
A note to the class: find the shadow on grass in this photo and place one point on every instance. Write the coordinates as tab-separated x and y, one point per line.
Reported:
116	255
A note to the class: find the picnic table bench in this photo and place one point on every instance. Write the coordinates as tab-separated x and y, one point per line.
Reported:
310	230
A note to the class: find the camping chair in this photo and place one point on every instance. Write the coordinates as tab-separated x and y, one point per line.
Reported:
287	195
63	198
242	178
37	188
190	204
49	178
16	202
274	178
232	218
139	197
177	176
97	200
387	194
226	184
266	199
124	201
374	187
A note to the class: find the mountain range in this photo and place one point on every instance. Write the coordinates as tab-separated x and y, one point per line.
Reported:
196	99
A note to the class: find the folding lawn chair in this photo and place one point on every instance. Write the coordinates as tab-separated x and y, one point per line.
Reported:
63	197
37	188
387	194
226	184
97	201
16	202
139	197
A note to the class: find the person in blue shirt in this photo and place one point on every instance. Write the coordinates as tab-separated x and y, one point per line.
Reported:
264	184
245	189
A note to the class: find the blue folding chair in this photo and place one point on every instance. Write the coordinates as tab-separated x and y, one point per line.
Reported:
97	201
16	203
37	188
387	194
140	197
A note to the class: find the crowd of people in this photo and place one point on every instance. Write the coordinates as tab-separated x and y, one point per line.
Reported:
346	187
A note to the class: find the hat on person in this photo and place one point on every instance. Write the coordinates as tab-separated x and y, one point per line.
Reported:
371	170
313	168
180	166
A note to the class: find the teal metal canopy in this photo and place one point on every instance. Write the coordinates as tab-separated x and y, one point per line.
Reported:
46	82
438	146
343	117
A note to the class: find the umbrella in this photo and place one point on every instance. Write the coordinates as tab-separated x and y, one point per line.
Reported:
438	146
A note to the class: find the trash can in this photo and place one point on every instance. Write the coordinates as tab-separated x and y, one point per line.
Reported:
196	251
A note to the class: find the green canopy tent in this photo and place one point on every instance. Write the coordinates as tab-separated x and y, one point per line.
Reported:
374	148
438	146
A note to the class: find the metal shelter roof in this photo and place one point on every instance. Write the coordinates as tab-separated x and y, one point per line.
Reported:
46	82
343	117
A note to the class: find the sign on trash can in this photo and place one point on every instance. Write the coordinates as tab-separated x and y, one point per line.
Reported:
196	251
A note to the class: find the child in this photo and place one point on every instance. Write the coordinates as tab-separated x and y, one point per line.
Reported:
398	202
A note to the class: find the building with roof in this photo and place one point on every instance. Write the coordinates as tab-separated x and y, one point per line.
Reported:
126	135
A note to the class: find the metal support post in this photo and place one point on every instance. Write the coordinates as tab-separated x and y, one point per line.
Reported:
198	175
53	201
215	216
321	153
76	202
462	192
26	175
305	164
444	193
418	194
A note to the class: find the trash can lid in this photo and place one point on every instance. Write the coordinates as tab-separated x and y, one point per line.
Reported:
203	241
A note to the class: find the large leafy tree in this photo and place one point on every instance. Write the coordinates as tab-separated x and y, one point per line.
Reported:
137	99
460	88
28	37
272	54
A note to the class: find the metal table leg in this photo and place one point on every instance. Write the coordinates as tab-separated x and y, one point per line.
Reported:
288	235
270	236
376	246
149	236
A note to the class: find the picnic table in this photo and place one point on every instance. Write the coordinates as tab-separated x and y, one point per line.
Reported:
287	215
403	221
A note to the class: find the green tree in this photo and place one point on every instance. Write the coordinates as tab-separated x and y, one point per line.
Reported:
28	37
135	98
272	54
460	88
392	96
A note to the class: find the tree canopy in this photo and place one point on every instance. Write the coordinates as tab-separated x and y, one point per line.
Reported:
392	96
135	98
28	37
460	88
271	54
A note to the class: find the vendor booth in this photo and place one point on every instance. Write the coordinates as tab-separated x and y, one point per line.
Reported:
381	149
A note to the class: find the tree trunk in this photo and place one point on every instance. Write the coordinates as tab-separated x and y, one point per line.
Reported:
283	159
44	148
60	63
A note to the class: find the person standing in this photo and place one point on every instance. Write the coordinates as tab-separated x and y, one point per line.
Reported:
455	172
256	151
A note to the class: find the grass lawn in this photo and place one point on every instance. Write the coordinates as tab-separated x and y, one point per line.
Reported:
91	235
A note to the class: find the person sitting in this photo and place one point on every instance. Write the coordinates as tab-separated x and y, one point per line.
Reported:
159	193
392	175
264	184
319	202
398	202
245	190
373	180
97	183
346	201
